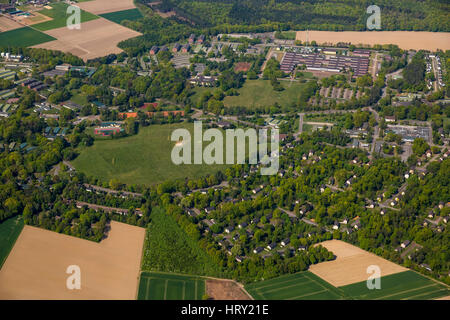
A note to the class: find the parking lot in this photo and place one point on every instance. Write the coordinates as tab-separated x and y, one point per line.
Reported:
409	133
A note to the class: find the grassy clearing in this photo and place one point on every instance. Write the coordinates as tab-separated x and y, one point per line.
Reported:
165	286
60	16
144	158
23	37
259	93
79	98
119	16
9	232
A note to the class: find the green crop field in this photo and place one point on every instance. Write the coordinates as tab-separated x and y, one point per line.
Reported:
9	232
144	158
307	286
23	37
404	285
119	16
259	93
298	286
60	16
166	286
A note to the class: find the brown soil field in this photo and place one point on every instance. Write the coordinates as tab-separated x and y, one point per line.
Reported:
106	6
404	39
322	74
225	290
96	38
34	19
242	66
7	24
36	267
351	264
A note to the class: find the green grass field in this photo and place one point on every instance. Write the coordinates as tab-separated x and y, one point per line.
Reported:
144	158
298	286
166	286
60	16
405	285
259	93
23	37
9	232
119	16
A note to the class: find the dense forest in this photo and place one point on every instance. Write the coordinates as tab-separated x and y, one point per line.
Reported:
335	15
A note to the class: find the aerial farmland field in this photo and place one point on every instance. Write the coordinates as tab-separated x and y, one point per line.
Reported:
408	285
25	36
106	6
298	286
109	269
9	231
59	17
95	38
119	16
169	286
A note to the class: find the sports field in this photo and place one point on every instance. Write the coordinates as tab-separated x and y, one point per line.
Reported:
144	158
259	93
298	286
59	17
119	16
408	285
9	231
165	286
23	37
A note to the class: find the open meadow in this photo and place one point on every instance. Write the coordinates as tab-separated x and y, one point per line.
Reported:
259	93
144	158
36	267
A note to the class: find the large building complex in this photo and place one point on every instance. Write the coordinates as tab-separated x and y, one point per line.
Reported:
330	63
